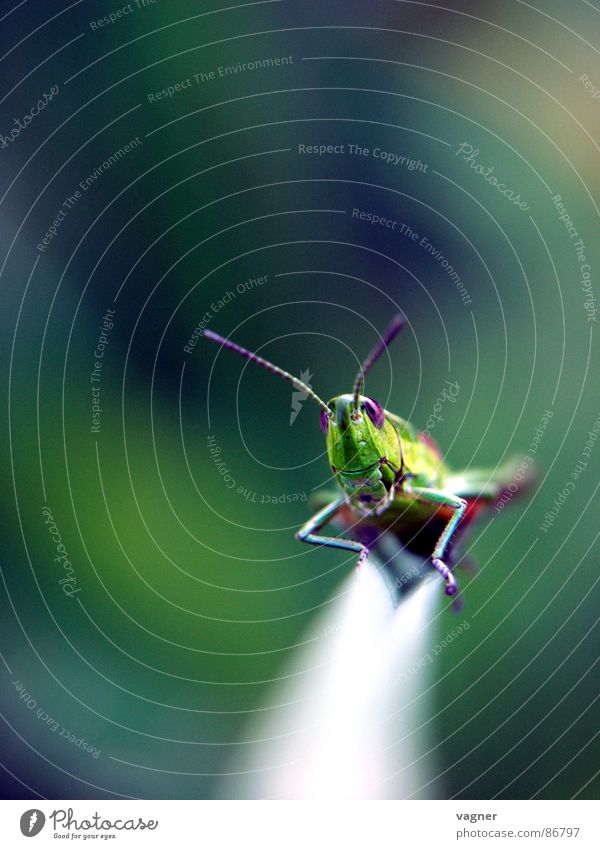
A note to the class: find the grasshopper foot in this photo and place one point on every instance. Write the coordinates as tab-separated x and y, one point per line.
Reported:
450	581
362	557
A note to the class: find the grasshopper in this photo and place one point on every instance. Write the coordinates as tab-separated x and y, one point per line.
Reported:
392	478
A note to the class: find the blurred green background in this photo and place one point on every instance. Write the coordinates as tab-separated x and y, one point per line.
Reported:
192	594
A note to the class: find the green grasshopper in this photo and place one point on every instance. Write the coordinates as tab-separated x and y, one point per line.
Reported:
392	478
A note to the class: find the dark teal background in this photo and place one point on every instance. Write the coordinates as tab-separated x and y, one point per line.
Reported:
192	598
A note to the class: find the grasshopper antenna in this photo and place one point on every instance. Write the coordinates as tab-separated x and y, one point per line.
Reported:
295	381
394	327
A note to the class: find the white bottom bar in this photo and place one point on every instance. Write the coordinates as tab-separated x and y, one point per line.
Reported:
299	825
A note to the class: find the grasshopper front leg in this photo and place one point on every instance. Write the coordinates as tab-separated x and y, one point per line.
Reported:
458	505
307	532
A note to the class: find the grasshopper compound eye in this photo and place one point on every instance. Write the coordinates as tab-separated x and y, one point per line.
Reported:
375	412
324	421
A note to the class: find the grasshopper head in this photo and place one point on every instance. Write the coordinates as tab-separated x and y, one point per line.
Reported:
355	438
